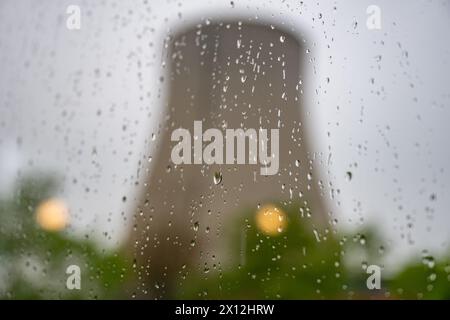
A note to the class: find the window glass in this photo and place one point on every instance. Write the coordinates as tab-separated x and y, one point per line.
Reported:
213	150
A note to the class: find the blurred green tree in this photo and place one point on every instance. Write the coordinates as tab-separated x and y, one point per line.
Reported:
306	263
299	262
33	261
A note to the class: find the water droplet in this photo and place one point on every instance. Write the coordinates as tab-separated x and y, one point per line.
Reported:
428	261
282	38
348	176
362	240
195	227
217	177
316	234
432	277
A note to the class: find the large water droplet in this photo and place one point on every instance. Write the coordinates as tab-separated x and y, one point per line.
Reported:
217	177
428	261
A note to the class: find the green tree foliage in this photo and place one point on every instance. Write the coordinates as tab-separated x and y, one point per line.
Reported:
302	262
33	261
306	263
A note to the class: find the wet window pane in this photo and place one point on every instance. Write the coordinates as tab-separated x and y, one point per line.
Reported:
224	150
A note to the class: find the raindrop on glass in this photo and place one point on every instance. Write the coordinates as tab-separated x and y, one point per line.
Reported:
217	177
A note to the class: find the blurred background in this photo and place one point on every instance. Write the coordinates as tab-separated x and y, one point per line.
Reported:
85	172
